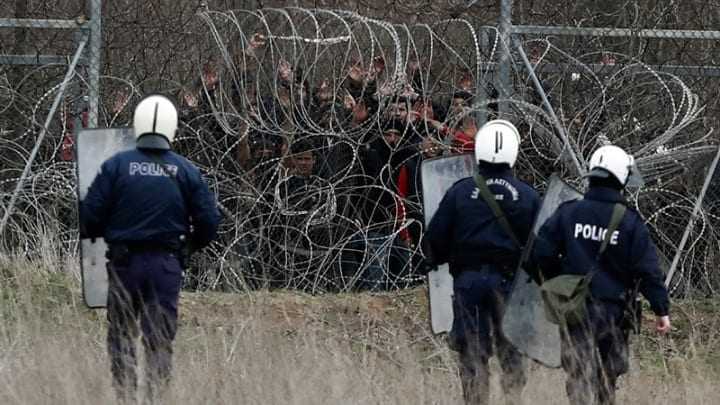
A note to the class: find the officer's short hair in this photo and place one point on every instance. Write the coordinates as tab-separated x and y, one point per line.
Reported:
610	182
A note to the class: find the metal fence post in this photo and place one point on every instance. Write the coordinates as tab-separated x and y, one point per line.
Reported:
481	95
505	28
43	131
94	60
567	148
691	223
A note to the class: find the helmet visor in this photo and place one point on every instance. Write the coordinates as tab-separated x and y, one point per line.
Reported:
635	177
598	172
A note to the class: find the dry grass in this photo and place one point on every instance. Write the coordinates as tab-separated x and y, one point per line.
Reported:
291	348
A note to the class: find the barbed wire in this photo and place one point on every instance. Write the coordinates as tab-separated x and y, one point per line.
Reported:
288	115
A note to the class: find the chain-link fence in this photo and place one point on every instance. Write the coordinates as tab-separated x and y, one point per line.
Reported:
669	130
49	85
287	112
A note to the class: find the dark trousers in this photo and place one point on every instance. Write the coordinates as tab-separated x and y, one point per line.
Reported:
478	304
595	354
143	296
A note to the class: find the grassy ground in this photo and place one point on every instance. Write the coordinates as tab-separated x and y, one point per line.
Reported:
292	348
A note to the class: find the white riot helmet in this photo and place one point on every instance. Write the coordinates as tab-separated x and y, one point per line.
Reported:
611	160
497	141
155	122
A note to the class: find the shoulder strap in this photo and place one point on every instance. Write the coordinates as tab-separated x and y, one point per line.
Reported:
489	198
617	216
615	220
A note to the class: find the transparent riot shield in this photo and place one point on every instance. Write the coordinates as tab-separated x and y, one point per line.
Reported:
438	175
93	147
524	323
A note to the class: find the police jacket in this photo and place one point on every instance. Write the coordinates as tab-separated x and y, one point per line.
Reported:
464	232
569	241
138	197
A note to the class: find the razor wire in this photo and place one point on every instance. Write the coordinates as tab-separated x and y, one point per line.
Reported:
286	110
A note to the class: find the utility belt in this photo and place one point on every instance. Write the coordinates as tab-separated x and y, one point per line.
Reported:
119	253
464	259
505	270
151	247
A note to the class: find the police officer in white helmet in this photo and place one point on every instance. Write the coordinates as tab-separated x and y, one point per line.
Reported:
145	202
604	248
480	228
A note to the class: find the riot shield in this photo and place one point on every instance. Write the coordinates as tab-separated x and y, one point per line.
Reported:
438	175
93	147
524	322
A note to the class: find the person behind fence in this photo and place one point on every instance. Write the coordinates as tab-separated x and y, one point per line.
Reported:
479	229
299	195
384	163
594	255
148	203
430	147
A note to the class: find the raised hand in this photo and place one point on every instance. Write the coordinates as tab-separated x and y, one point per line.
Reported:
285	71
257	41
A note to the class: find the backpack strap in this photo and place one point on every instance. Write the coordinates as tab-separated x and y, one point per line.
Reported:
490	200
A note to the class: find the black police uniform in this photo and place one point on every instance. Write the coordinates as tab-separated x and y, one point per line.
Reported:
568	244
482	257
144	202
